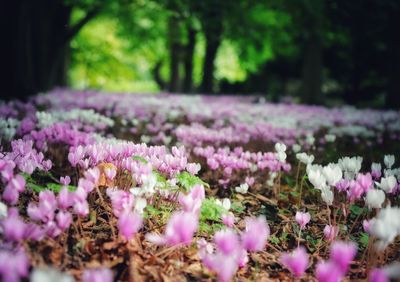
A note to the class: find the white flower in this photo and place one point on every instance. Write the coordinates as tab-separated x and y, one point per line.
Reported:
375	198
50	275
280	147
3	210
330	137
376	167
351	166
226	203
316	177
386	226
272	176
296	148
388	160
310	139
387	183
327	195
242	189
332	173
148	183
140	205
281	156
304	158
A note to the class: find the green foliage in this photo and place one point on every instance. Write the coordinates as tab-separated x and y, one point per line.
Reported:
187	180
364	239
32	184
210	211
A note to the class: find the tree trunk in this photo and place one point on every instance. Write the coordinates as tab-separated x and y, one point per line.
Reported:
188	63
175	46
312	70
38	35
393	84
212	44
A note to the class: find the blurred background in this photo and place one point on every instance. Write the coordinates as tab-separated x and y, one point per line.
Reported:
313	51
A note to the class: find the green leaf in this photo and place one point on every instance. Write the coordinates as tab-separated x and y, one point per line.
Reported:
364	239
140	158
237	207
274	240
356	210
188	180
57	187
210	210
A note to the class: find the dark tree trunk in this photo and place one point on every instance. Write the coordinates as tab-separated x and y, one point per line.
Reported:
212	44
188	63
175	50
157	76
393	84
38	35
312	70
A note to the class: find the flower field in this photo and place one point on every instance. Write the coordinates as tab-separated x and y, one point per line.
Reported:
117	187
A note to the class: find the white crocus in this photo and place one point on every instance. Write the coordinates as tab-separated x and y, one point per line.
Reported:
281	156
386	226
333	173
376	167
50	275
330	138
389	161
316	177
375	198
387	184
242	189
351	166
3	210
280	147
327	195
304	158
296	148
140	205
225	203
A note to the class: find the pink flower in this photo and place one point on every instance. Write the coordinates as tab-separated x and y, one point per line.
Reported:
355	191
65	198
224	266
227	241
65	180
110	173
296	262
256	234
192	201
328	271
87	185
302	219
228	219
13	226
342	185
92	175
13	265
129	224
366	226
64	220
330	232
97	275
44	210
81	208
342	253
378	275
365	181
180	230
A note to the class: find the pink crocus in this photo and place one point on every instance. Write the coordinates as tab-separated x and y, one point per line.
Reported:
367	226
64	220
328	271
296	262
330	232
180	230
342	253
65	180
378	275
13	265
256	234
129	224
97	275
228	219
227	241
302	218
13	226
110	173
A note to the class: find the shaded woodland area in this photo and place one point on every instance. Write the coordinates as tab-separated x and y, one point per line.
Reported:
318	51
